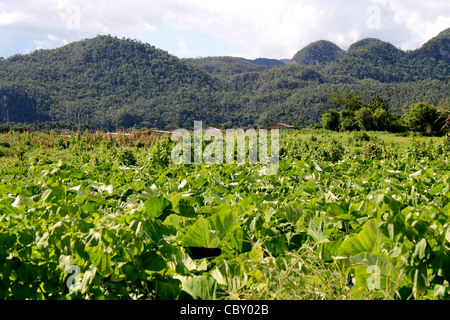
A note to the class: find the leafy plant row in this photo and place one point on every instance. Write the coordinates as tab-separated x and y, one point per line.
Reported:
364	227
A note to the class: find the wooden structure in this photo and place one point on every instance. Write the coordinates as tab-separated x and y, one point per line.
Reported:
283	127
154	133
212	129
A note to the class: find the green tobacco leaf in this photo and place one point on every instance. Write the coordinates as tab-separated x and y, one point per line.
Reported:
292	213
157	230
315	231
186	209
238	241
335	210
201	287
167	289
27	236
366	241
53	195
155	206
210	232
393	204
420	249
225	223
153	261
200	235
22	201
101	260
177	259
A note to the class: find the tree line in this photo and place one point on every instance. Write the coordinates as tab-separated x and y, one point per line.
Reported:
351	113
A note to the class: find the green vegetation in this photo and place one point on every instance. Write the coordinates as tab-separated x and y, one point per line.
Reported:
106	82
355	114
354	212
95	216
318	53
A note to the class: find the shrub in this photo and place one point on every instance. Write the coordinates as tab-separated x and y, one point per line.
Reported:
330	120
161	152
361	136
126	157
332	151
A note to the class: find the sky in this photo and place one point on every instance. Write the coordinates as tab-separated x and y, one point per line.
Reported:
199	28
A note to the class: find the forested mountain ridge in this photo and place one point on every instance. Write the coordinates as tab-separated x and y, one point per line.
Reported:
106	82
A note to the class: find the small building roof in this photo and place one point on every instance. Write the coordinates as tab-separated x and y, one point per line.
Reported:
279	125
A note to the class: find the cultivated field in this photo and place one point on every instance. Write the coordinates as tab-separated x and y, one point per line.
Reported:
359	215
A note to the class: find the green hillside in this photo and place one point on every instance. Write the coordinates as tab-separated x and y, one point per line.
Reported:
379	60
437	48
106	82
224	67
318	53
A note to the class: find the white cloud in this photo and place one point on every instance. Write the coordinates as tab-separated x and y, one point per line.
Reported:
12	18
280	28
183	50
259	28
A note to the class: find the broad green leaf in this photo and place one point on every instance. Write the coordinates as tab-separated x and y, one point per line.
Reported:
315	231
230	274
22	201
53	195
177	259
186	209
201	287
420	280
157	230
101	260
87	280
441	264
167	289
329	249
335	210
292	213
366	241
225	222
437	189
393	204
155	206
27	236
210	232
239	241
152	261
200	235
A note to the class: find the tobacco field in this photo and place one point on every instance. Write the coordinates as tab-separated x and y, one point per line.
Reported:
347	216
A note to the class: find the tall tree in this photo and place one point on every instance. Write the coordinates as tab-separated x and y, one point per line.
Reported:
419	116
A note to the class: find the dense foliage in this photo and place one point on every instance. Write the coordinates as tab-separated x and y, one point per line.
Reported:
348	215
107	82
318	53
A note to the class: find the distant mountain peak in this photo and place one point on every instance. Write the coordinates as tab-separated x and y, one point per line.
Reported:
318	53
371	44
437	48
